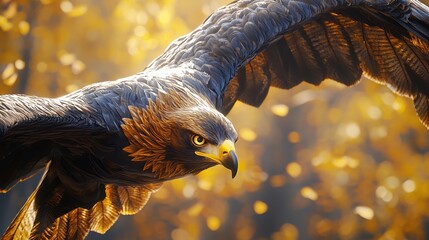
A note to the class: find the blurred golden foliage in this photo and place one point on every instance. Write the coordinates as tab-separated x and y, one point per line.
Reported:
324	162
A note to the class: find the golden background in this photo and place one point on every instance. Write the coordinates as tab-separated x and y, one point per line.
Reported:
323	162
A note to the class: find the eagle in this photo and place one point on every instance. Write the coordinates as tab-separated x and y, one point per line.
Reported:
107	147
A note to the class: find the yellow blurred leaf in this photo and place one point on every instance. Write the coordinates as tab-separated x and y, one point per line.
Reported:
309	193
188	191
19	64
260	207
77	11
195	210
374	112
10	12
77	67
41	67
280	110
8	71
409	186
399	105
24	27
5	25
205	185
383	193
213	223
339	162
67	58
66	6
248	134
10	80
293	169
364	212
71	88
164	17
352	130
289	232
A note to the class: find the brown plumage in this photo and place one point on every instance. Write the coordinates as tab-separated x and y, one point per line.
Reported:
108	146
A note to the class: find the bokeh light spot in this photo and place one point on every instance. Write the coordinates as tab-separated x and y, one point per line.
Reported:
179	234
294	169
277	181
10	80
280	110
41	67
24	27
66	6
409	186
213	223
294	137
19	64
383	193
8	71
195	210
374	112
364	212
188	191
260	207
205	185
309	193
392	182
352	130
248	134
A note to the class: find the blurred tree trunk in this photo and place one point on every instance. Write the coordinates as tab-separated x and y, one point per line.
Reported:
27	48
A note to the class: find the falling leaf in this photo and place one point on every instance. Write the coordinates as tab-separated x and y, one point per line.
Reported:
364	212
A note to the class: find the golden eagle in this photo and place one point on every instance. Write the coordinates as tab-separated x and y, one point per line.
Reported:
108	146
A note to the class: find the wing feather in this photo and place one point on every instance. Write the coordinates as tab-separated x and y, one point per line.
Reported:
248	46
120	200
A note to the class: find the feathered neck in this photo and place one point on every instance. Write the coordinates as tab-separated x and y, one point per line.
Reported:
149	131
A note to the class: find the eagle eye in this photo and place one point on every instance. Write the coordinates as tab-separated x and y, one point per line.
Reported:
198	141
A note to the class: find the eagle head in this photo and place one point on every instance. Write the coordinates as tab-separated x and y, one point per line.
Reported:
180	133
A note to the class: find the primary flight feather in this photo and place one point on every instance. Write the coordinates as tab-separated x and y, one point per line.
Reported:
108	146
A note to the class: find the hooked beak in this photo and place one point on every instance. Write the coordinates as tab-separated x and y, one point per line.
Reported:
223	154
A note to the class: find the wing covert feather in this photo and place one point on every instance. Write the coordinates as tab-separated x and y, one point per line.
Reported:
248	46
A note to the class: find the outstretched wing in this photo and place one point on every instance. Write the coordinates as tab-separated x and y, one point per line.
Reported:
67	137
246	47
38	218
32	127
